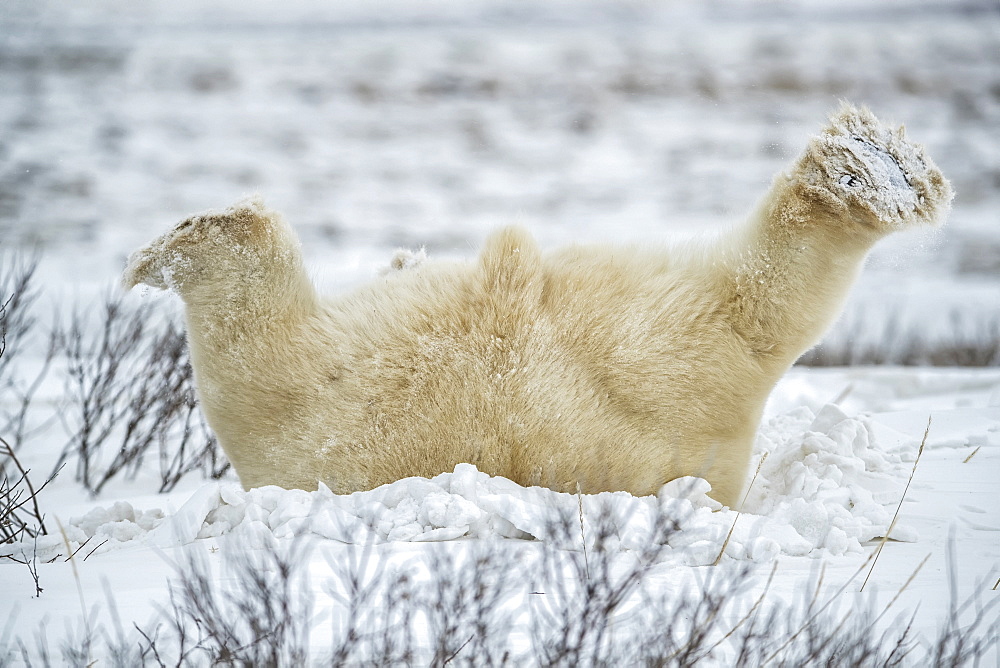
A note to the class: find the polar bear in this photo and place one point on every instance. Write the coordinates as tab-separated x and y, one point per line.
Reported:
588	368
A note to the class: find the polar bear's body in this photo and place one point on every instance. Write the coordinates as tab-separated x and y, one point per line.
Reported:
592	368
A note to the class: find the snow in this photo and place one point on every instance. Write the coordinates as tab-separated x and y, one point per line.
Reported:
825	488
826	493
429	125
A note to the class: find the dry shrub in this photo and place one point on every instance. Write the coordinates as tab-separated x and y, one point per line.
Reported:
130	390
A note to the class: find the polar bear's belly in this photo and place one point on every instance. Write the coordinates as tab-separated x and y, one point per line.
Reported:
525	411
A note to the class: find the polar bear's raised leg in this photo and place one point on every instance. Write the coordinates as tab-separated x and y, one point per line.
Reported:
792	265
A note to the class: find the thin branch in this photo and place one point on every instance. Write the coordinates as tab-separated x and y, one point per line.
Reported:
888	532
32	493
725	543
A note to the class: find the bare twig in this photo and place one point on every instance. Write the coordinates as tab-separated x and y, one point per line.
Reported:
729	535
96	548
17	322
895	516
82	545
583	531
456	611
750	612
32	564
132	392
32	493
813	617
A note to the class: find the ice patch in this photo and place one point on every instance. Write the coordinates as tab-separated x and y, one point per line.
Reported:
826	478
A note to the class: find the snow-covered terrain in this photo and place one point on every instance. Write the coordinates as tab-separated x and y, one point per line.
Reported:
428	124
833	478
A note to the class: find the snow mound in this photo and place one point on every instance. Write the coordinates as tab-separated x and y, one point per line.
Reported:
823	487
825	477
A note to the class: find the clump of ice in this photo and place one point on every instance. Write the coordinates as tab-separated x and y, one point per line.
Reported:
825	487
99	530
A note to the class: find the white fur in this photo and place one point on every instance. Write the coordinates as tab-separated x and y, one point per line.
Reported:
611	368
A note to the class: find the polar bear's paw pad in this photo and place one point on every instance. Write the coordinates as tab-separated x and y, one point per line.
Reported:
881	162
878	168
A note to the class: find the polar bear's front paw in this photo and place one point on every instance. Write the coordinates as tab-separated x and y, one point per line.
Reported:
876	172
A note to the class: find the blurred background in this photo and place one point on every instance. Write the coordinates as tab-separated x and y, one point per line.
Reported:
374	126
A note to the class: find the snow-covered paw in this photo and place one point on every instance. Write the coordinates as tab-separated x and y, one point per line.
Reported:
877	173
885	170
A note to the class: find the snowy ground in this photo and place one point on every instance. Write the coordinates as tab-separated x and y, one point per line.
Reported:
832	481
432	123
